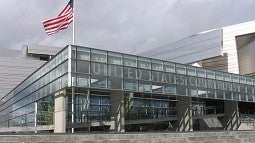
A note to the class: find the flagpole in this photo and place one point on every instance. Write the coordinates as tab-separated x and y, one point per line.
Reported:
72	130
74	21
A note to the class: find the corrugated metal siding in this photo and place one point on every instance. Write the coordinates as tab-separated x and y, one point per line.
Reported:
14	71
15	66
194	48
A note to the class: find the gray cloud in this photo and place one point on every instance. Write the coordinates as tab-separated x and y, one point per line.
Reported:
126	26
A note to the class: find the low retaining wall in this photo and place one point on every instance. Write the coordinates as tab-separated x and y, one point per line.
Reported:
176	137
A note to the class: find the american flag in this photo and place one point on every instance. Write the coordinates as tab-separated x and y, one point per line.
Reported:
60	22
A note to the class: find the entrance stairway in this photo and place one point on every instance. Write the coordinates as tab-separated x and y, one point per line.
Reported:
175	137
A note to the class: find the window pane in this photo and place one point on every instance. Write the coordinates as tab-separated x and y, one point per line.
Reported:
242	79
98	81
220	94
210	74
143	74
98	56
191	71
114	83
144	86
156	65
181	90
130	84
219	76
95	100
235	78
98	68
201	92
83	53
211	93
250	97
201	72
82	80
180	69
191	81
82	66
129	60
228	95
114	70
243	96
169	67
235	96
192	91
227	77
170	88
129	72
144	63
157	88
114	58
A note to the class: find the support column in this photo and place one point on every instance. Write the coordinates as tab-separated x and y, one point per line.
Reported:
184	112
117	111
36	108
231	120
60	112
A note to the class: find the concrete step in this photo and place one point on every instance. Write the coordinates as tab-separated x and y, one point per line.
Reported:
180	137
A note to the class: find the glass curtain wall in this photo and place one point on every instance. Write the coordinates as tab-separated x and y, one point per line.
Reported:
34	94
94	68
90	106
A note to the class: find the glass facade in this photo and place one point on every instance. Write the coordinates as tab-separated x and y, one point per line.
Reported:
109	70
150	87
33	96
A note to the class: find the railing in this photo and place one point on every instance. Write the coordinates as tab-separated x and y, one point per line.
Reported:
155	113
247	120
94	116
200	111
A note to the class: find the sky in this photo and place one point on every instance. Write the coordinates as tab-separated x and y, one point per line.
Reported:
130	26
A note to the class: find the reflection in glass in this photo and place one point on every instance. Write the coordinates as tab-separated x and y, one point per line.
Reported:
98	68
98	56
180	69
144	86
130	84
169	67
129	72
114	58
82	66
114	70
129	60
157	88
156	65
82	80
114	83
98	81
83	53
170	88
144	63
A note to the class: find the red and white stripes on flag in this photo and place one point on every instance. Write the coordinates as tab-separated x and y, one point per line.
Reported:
60	22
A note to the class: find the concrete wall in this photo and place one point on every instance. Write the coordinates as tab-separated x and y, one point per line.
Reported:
60	112
231	120
229	42
184	112
117	111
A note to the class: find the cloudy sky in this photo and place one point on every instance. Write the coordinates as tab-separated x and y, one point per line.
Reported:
130	26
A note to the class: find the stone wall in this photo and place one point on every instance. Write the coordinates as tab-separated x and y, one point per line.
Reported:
175	137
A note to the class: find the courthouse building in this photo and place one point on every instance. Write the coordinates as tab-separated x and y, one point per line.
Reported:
86	89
